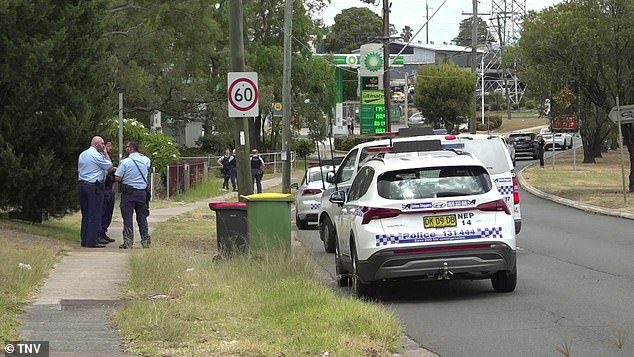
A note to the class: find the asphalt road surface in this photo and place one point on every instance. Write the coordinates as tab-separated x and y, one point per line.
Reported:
575	287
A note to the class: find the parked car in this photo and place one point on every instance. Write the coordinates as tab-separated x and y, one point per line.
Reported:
435	216
525	144
416	119
490	149
561	140
308	195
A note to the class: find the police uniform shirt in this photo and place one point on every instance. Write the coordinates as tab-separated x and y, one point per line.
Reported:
129	173
92	165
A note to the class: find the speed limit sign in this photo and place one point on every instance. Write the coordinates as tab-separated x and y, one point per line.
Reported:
243	94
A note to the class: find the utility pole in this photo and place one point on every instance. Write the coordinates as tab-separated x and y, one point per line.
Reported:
241	125
474	58
386	64
427	19
120	126
286	98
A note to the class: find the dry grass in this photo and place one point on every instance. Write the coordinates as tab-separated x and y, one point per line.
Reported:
618	339
519	124
598	184
26	260
565	350
269	305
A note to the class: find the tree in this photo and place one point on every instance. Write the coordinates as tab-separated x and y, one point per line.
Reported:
464	33
444	94
353	27
54	86
584	42
407	33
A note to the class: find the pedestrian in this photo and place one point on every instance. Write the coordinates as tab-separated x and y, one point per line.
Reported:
257	169
92	167
228	162
541	149
108	198
132	174
350	126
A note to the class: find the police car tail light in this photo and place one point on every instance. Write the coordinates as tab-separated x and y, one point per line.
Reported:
497	205
450	137
370	213
516	191
311	191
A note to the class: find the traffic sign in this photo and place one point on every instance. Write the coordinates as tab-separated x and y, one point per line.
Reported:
627	114
242	95
277	109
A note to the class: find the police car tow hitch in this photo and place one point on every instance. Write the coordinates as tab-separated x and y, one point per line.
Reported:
444	273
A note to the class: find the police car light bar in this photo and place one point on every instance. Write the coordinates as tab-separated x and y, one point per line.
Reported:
417	146
380	149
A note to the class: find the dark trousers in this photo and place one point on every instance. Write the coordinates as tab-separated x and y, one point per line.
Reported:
107	210
131	203
91	203
541	158
230	174
257	180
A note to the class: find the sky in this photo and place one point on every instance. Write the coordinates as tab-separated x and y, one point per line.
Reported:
443	27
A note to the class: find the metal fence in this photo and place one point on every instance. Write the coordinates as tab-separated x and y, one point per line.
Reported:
189	171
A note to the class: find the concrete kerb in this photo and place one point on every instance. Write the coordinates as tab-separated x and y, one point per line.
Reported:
566	202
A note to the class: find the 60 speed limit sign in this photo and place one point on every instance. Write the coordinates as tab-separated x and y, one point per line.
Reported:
243	94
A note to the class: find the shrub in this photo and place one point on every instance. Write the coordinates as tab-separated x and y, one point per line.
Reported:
494	122
346	143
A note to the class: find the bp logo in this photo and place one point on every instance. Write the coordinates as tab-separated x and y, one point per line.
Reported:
373	61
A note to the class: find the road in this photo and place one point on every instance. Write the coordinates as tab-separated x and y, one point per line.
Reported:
575	287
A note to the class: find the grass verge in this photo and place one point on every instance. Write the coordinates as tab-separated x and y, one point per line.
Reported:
183	303
26	260
598	184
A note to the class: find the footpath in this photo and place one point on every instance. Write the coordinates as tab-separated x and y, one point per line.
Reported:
73	307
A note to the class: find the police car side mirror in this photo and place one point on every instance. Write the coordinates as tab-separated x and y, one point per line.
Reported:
338	197
294	185
330	177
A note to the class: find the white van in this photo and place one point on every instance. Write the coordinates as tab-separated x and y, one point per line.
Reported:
490	149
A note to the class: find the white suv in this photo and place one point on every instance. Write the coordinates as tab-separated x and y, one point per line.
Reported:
489	149
434	216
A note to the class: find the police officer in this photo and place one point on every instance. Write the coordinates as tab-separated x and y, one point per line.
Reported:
132	173
92	167
257	169
108	199
228	163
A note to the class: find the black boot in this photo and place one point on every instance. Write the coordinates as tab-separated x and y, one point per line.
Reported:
146	241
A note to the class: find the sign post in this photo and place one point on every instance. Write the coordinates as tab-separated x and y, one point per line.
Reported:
619	114
243	94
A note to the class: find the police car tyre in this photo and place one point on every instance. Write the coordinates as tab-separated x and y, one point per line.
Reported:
359	288
343	276
505	281
301	224
327	233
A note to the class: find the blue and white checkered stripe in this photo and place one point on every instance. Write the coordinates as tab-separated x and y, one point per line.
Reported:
420	237
505	190
315	205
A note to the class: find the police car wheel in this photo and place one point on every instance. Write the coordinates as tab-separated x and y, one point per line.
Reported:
327	232
505	281
343	276
359	288
301	224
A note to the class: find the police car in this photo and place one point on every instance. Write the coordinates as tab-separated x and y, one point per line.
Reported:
308	195
490	149
433	216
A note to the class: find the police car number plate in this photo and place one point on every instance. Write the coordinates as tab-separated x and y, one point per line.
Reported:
448	220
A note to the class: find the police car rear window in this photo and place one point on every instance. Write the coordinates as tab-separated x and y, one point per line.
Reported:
434	182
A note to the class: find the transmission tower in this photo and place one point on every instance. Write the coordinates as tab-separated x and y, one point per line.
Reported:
505	27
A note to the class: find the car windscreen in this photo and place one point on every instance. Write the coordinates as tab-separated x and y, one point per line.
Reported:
492	153
434	182
316	175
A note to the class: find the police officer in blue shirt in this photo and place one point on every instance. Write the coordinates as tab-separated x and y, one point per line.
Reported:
132	174
92	167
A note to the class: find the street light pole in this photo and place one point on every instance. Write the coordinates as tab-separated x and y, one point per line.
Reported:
286	98
386	63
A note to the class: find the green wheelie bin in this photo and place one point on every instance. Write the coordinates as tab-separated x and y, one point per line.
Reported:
269	217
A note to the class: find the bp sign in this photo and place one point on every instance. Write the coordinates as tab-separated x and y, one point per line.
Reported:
371	60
